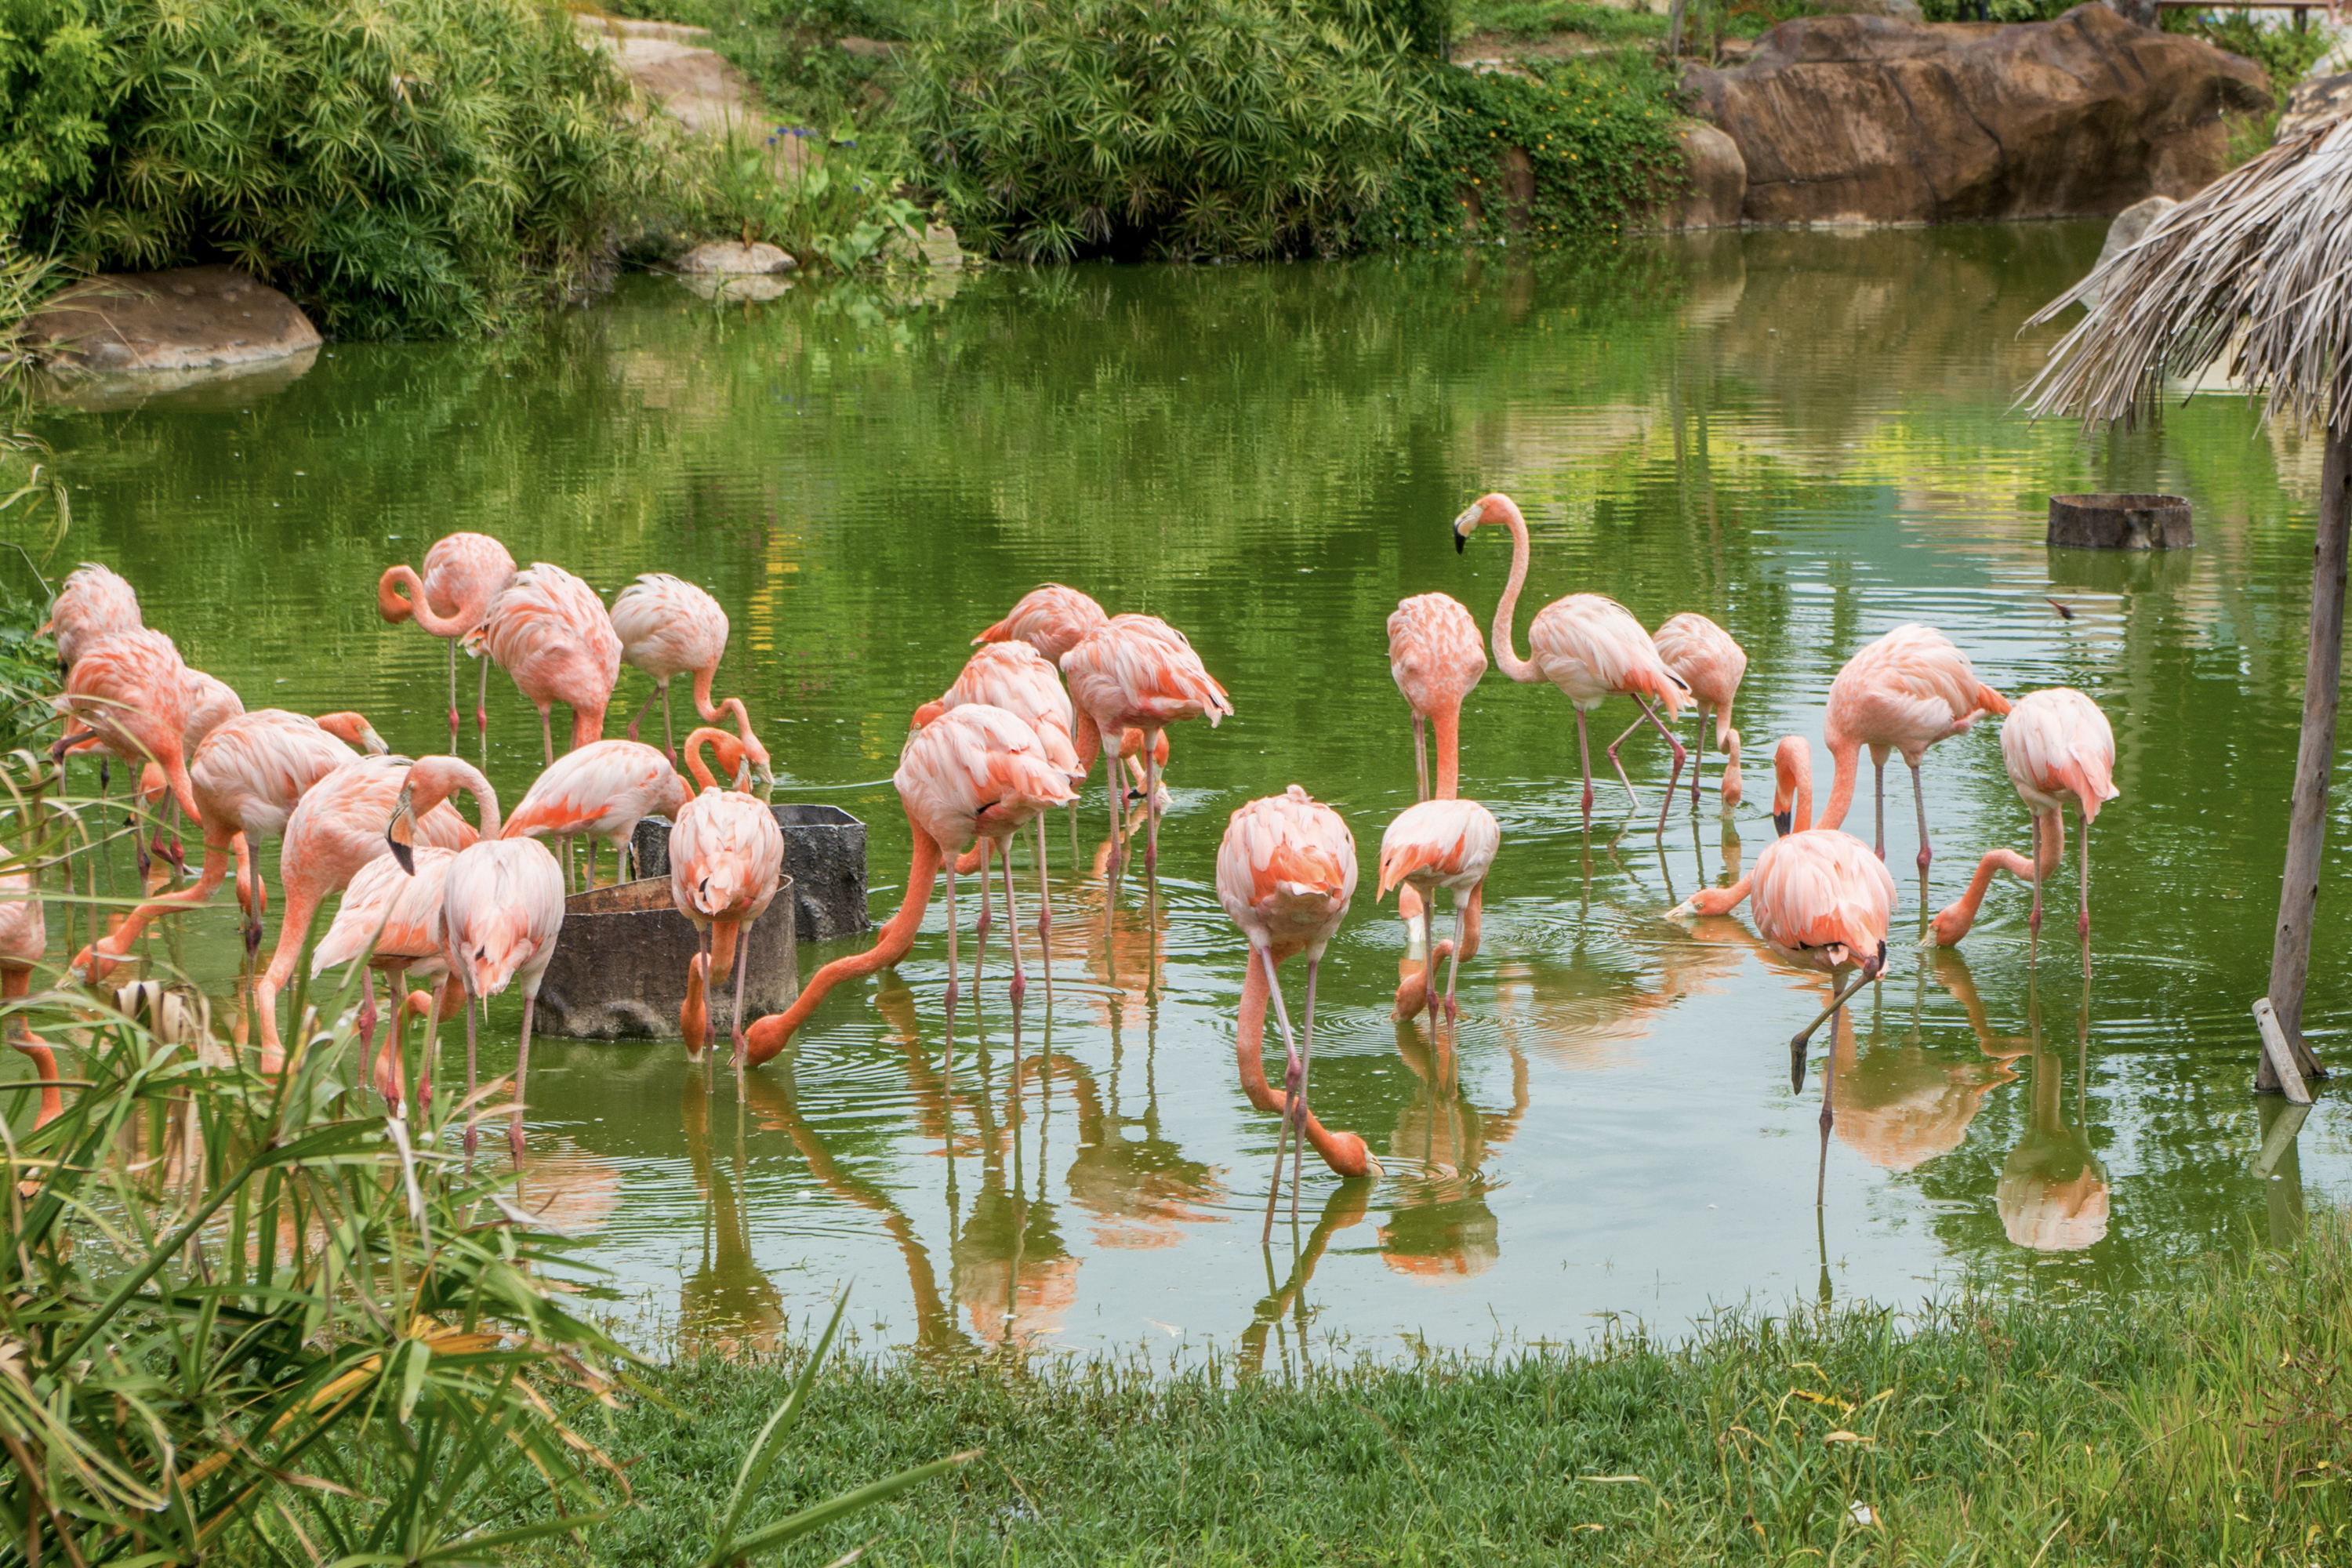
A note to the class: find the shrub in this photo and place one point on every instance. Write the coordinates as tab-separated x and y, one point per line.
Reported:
423	168
2286	53
57	76
1598	129
1180	128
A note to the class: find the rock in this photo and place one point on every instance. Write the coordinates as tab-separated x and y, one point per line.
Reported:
732	259
1863	119
940	247
668	62
191	319
2316	101
1718	181
2130	225
620	965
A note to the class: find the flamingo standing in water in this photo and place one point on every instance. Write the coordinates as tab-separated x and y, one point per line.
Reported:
92	604
247	778
726	854
974	770
1436	656
1139	673
2056	743
1051	618
550	631
1704	658
392	916
338	827
599	792
670	627
1436	844
1823	900
132	691
1589	646
1286	873
24	939
1904	692
501	910
463	573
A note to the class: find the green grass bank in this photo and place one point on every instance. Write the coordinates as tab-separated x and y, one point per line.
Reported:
2207	1422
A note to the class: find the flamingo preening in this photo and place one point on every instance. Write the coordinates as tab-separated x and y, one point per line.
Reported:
1904	693
1704	658
463	573
1139	672
670	627
551	633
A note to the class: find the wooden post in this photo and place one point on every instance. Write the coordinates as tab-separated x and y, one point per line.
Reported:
2286	1073
2315	761
1675	31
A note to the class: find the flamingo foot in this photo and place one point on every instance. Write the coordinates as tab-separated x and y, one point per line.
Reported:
1018	989
1452	1009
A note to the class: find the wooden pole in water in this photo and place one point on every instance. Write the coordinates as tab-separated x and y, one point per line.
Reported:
2315	761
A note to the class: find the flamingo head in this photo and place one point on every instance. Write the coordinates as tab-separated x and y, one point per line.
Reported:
400	831
1873	959
354	729
1493	507
1792	786
925	714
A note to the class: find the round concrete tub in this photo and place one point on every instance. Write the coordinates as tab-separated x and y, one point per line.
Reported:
619	970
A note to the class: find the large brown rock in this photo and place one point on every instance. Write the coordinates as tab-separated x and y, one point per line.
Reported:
1716	189
1860	120
189	319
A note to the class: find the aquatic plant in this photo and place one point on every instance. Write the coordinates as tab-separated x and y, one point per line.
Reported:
428	169
1210	128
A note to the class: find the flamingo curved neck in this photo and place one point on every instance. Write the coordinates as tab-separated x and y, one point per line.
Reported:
1506	609
771	1035
1344	1152
1847	761
415	606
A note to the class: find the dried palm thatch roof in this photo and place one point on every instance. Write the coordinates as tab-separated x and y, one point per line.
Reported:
2263	256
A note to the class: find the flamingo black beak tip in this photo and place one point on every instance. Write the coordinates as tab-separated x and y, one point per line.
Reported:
1784	823
405	855
1461	542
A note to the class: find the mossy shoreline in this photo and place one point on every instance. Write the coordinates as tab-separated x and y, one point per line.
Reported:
2207	1422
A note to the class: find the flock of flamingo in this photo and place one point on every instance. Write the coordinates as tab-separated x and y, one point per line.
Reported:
477	908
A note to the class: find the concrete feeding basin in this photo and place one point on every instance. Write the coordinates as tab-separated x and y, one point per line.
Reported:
619	969
824	858
2119	522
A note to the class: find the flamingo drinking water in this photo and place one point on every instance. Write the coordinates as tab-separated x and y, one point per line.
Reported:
463	573
2056	743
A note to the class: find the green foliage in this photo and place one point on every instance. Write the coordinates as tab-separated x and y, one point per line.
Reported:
1598	129
1426	25
29	659
791	50
59	77
426	168
1545	18
1176	128
1996	10
835	207
2286	52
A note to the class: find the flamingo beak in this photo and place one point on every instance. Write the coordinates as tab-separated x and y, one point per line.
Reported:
1472	516
401	830
372	742
1875	966
1784	823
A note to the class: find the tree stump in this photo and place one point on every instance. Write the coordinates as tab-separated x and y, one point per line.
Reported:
2119	522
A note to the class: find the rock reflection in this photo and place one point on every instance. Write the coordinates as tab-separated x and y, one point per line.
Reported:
1442	1226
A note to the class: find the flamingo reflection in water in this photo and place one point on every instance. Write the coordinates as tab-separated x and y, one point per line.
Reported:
1900	1105
2054	1194
1286	1298
1442	1227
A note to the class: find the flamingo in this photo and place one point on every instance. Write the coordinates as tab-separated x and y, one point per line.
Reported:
1286	873
24	939
726	854
974	770
1705	659
131	690
1051	618
599	792
391	916
550	631
247	778
1904	692
1439	844
338	827
463	573
92	604
1138	671
2056	742
1436	656
1823	900
670	627
501	910
212	703
1016	677
1589	646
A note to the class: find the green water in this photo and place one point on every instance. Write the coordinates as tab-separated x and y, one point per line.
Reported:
1807	436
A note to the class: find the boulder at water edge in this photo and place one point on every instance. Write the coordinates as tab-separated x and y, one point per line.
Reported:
188	319
1862	119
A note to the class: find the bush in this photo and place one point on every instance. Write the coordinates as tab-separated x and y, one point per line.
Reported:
1599	131
2283	52
1179	128
427	168
57	76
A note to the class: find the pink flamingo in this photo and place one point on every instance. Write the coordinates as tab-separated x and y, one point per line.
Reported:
1590	646
550	631
1436	844
463	573
337	828
1016	677
1823	900
1051	618
212	703
132	692
2056	743
1286	874
599	792
1904	692
1139	673
1703	657
92	604
247	778
974	770
726	854
502	910
392	917
1436	656
24	939
670	627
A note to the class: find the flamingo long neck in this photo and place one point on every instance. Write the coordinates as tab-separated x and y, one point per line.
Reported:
1718	900
415	606
1447	722
1847	760
1801	779
435	779
731	757
1506	609
1343	1151
771	1035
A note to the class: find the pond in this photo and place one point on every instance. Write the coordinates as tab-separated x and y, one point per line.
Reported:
1808	437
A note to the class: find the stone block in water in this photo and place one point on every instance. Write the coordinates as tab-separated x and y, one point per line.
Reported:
2119	522
825	855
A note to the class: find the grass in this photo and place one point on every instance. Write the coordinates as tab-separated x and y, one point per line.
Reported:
2209	1423
1533	20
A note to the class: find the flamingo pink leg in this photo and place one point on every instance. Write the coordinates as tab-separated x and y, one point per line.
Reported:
1584	752
1044	913
1011	924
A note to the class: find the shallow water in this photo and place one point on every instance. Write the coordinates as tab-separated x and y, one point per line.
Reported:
1807	436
